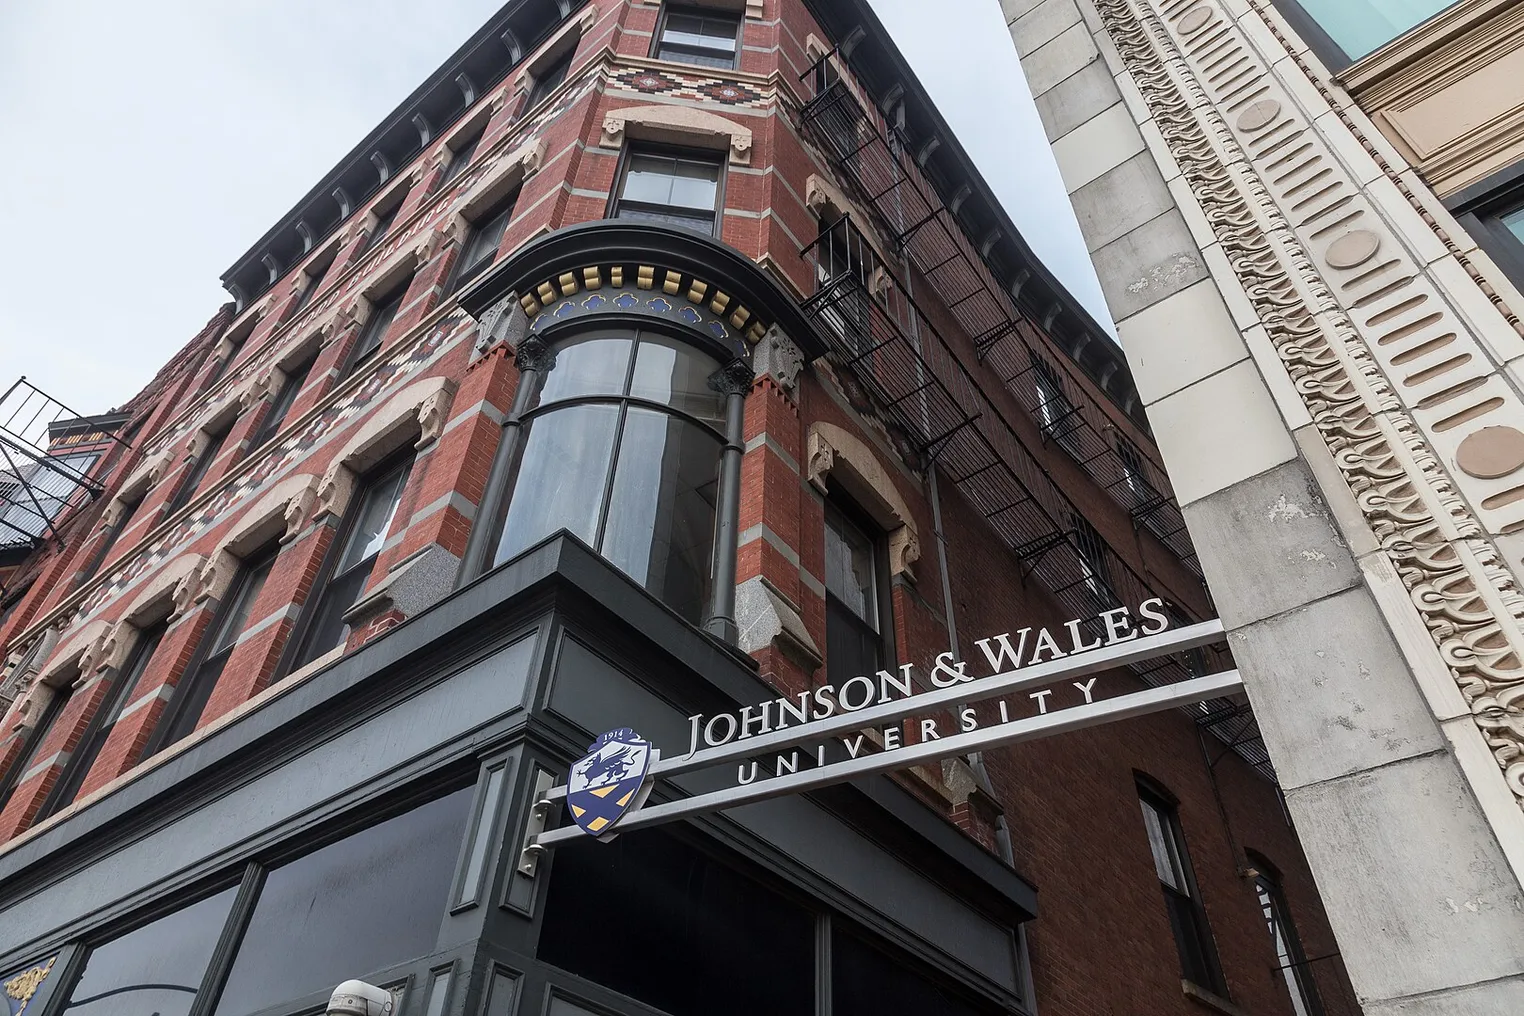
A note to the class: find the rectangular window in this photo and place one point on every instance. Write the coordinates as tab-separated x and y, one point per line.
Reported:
38	734
695	36
1360	27
550	79
854	616
1055	412
198	471
1094	569
383	312
1187	918
460	157
486	237
843	265
1495	217
383	226
1134	472
44	492
101	725
680	190
370	519
189	697
1289	958
275	414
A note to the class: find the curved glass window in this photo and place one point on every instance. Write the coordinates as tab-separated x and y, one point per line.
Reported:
621	446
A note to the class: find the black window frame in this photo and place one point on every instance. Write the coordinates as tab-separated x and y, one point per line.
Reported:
500	212
1056	413
1293	967
188	699
463	156
552	77
185	491
383	314
299	651
1091	551
631	152
279	407
1200	963
62	695
66	788
383	226
658	37
844	508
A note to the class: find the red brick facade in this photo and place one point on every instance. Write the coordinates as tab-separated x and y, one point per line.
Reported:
1070	803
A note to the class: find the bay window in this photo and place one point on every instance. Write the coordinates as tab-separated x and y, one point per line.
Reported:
622	440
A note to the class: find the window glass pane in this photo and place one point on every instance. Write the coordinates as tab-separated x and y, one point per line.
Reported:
867	982
1514	221
678	375
661	518
649	179
485	241
155	969
351	909
561	477
328	626
374	520
695	184
665	899
245	591
852	647
1362	26
1159	841
592	366
703	223
850	567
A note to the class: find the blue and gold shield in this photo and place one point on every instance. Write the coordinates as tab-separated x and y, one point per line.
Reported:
609	781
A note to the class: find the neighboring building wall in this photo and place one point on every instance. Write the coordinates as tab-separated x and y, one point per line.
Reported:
1326	358
1071	804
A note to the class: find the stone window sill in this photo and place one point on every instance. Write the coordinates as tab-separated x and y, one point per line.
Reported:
1210	999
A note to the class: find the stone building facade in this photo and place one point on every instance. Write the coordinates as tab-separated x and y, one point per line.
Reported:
650	359
1305	219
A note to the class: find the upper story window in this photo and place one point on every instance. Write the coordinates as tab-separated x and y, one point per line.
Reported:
621	447
384	221
460	157
383	312
35	737
843	265
482	246
99	729
855	639
1095	572
550	79
43	493
1493	211
681	190
1187	917
1359	27
1289	957
194	689
198	469
360	541
280	406
697	36
1134	473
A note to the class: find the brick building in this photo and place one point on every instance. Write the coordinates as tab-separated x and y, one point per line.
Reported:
648	360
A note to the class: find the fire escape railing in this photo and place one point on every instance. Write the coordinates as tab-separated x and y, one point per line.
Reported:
929	393
41	478
875	161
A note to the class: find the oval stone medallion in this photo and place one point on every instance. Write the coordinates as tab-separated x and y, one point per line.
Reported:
1491	452
1195	20
1352	249
1259	115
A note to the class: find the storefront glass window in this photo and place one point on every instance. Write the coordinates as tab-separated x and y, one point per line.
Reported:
623	451
1363	26
157	968
867	982
623	913
365	903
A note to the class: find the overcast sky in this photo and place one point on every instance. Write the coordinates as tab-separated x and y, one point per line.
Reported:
151	143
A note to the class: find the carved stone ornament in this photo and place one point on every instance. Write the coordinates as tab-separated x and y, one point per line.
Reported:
299	511
534	353
1454	577
433	414
734	378
677	125
777	356
503	322
184	595
335	490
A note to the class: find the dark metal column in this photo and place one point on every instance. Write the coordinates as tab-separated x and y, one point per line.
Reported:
734	381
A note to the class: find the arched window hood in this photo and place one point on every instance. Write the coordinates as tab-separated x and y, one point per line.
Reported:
726	289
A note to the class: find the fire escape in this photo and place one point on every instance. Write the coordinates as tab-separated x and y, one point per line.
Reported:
47	452
930	383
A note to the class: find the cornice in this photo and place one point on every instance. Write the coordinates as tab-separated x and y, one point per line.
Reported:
1407	56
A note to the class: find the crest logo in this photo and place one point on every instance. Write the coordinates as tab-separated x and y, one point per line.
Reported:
610	781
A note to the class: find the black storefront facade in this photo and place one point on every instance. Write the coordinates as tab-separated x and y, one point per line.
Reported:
367	825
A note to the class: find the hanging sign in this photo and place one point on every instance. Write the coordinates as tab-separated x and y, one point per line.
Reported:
1043	682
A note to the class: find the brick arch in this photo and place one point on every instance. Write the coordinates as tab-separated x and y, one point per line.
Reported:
414	415
842	456
684	125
